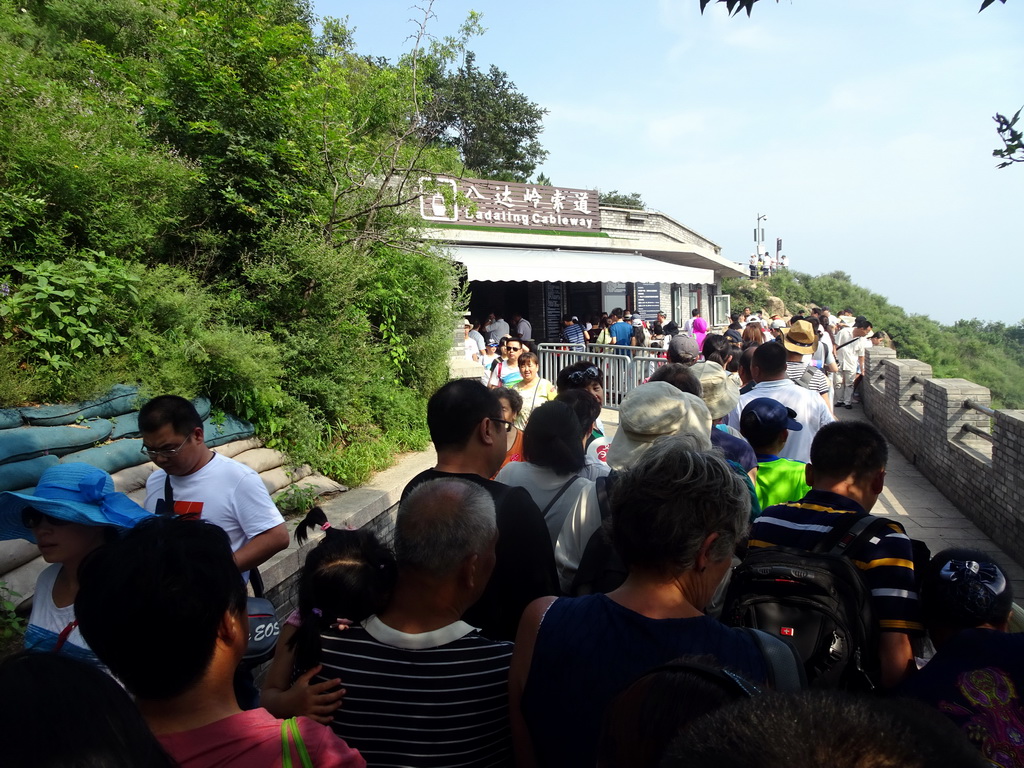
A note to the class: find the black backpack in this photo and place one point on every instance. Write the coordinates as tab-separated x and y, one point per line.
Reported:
817	601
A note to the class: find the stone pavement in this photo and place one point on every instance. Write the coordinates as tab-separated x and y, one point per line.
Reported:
928	515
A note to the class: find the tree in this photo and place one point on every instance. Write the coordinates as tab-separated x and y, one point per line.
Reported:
1013	139
484	116
621	199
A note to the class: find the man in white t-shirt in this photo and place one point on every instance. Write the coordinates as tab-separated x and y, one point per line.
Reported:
207	485
850	346
768	367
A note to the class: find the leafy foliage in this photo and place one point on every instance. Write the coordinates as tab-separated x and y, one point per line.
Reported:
60	315
492	124
210	198
622	200
12	626
990	354
1013	140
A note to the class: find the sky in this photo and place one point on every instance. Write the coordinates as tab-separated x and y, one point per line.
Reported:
862	128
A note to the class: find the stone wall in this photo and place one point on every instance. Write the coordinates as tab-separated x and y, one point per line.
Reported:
976	459
650	225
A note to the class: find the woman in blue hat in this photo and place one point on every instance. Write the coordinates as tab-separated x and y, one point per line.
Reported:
73	510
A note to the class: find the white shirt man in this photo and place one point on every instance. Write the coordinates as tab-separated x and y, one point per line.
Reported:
768	368
496	328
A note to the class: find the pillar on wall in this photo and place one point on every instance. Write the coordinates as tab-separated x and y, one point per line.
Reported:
903	380
945	411
873	362
1008	457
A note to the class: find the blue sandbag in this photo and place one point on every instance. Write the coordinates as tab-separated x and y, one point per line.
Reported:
112	457
228	430
120	399
202	405
11	418
126	425
18	474
26	443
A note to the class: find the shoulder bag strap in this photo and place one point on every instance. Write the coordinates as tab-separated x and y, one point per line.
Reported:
786	672
290	734
849	531
558	495
165	506
603	504
848	342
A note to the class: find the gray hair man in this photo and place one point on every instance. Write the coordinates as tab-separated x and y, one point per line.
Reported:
419	651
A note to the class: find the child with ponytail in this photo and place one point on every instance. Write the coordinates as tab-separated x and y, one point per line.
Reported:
346	578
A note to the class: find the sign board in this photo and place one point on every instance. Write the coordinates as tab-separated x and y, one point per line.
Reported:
648	300
507	204
552	310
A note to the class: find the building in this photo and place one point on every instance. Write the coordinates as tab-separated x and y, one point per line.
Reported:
544	251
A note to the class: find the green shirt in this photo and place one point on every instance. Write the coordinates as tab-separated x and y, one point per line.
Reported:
779	480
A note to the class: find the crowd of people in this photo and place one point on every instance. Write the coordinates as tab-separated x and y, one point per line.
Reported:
553	595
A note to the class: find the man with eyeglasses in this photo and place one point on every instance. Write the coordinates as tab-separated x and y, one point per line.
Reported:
194	481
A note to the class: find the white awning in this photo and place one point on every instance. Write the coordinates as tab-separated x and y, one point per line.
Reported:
556	266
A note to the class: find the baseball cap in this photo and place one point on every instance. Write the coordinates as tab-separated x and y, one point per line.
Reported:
683	349
763	418
800	338
654	410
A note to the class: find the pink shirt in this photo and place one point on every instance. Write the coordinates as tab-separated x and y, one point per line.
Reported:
253	740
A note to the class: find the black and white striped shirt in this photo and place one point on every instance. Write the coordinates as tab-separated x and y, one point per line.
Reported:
432	700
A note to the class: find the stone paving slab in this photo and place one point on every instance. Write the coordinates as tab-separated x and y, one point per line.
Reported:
928	515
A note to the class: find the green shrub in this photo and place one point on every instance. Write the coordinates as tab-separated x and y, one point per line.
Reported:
60	315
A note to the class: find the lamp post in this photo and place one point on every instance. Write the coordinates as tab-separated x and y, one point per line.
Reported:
758	231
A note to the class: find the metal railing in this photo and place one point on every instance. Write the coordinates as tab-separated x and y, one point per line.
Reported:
623	370
975	430
979	407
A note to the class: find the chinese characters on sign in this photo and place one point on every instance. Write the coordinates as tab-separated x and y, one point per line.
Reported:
507	204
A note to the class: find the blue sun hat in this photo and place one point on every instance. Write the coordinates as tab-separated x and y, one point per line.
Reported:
76	492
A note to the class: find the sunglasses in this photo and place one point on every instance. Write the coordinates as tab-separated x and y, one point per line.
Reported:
33	518
587	374
513	349
508	424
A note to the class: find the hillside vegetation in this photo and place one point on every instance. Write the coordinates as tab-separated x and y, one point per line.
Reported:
209	198
990	354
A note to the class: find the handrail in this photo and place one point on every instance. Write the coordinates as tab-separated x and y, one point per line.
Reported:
978	431
968	403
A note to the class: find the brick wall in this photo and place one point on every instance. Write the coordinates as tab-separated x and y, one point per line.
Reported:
929	421
654	226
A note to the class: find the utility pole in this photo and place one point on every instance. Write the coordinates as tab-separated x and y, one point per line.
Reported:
759	232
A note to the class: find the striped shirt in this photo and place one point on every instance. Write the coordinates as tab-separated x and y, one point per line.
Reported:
432	700
886	563
573	334
818	383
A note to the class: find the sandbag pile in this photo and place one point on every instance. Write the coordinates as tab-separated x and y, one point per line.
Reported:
105	433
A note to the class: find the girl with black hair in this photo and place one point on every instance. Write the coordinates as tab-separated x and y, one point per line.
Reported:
346	578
